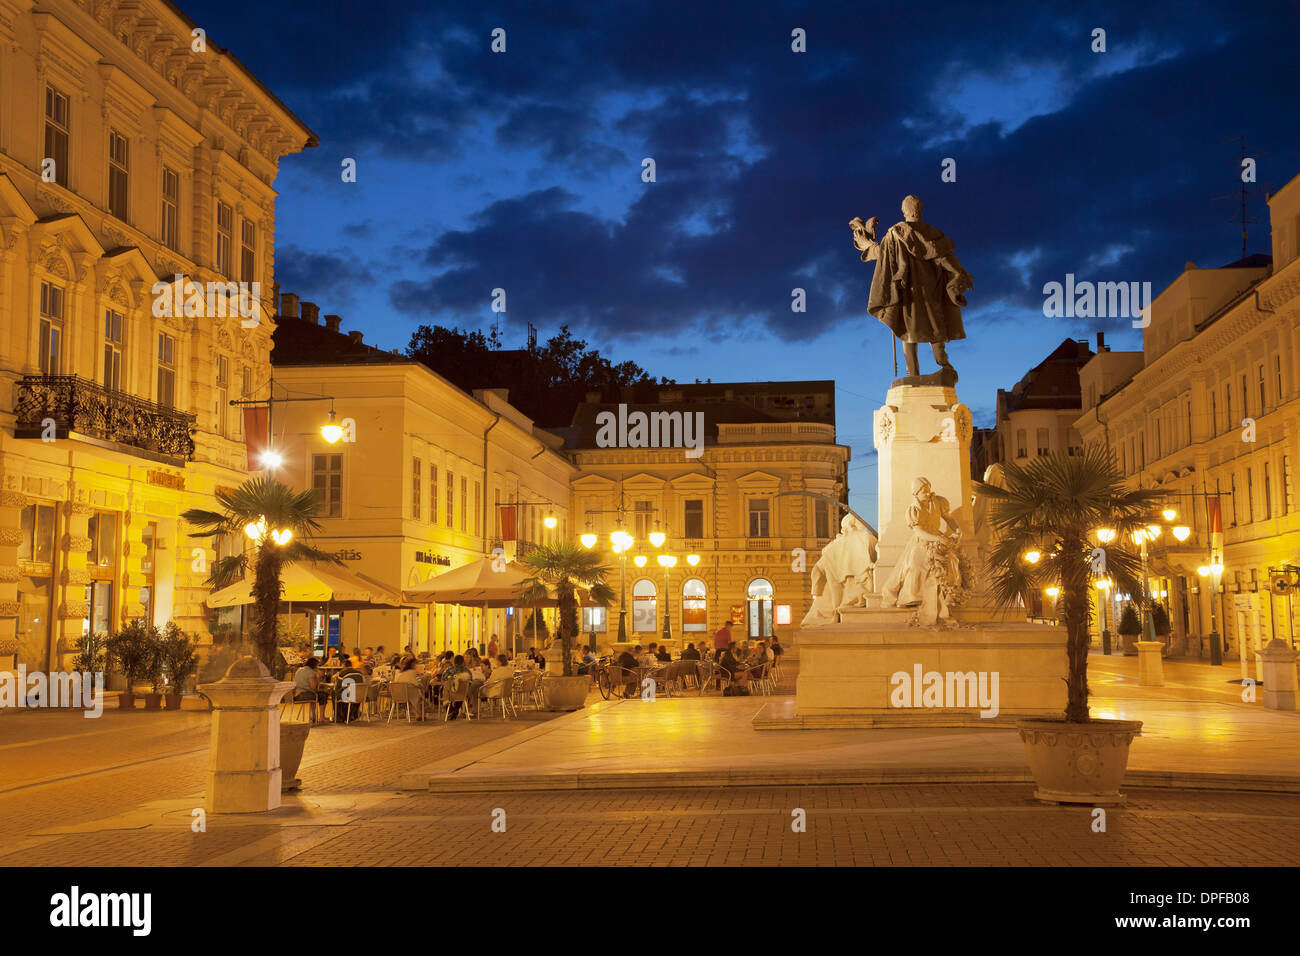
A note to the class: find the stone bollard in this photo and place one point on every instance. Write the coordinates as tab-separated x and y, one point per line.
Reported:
1278	668
1151	668
244	755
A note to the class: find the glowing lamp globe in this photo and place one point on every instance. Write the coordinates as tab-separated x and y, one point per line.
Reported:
588	539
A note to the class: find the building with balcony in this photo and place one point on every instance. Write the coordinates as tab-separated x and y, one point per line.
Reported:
1207	411
127	158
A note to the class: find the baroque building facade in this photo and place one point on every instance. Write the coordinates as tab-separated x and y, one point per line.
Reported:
1209	412
132	150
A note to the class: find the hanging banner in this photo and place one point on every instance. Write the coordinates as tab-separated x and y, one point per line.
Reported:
257	433
508	530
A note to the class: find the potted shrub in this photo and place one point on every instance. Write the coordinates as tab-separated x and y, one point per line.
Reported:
89	653
563	568
1162	626
180	662
1056	504
153	670
1130	626
129	651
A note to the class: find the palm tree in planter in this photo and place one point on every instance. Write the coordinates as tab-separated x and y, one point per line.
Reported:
563	568
1053	504
277	519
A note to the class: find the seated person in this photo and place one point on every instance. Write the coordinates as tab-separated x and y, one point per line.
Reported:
457	672
504	671
406	672
644	658
690	654
627	660
585	659
733	667
307	686
355	678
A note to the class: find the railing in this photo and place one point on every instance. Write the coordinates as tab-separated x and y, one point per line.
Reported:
74	404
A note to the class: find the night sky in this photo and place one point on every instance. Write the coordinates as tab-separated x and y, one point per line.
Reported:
523	170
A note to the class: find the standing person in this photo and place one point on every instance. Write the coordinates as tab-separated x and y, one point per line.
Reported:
492	649
721	638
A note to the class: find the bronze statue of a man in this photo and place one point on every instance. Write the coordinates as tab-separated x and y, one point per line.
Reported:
918	285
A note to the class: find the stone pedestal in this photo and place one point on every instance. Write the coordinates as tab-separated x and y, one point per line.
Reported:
1277	664
244	755
1151	667
848	672
920	432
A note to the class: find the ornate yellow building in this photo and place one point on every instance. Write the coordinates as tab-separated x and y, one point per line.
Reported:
757	505
1209	409
132	150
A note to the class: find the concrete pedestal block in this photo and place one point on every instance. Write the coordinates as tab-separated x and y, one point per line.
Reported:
244	754
1277	664
1151	667
848	672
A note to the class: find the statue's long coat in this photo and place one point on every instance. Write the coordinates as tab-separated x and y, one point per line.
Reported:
909	292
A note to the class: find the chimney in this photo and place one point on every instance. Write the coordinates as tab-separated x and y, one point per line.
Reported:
332	322
311	313
354	335
289	305
1101	342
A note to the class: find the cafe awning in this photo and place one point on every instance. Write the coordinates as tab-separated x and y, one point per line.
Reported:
483	583
306	583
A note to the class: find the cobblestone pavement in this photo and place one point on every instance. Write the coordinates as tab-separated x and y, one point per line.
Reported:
126	783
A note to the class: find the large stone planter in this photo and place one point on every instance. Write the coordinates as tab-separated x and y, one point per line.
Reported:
293	739
1078	763
566	693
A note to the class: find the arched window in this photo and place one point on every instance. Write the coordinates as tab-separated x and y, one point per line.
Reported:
645	615
760	608
694	607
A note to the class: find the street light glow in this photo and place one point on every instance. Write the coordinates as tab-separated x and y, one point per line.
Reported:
330	431
640	560
692	559
1182	532
1105	535
657	538
1169	514
667	560
272	459
550	521
588	539
1032	556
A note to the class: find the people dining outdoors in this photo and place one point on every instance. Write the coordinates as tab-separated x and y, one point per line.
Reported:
407	674
307	686
502	671
332	658
690	654
777	649
644	657
457	671
354	677
536	657
734	668
663	657
492	649
721	638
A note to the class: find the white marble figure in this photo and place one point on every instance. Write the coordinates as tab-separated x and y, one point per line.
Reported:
844	574
929	561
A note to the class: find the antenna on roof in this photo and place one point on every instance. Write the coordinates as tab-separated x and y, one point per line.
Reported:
1246	169
532	337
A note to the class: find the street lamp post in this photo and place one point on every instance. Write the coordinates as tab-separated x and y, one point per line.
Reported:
667	561
1103	599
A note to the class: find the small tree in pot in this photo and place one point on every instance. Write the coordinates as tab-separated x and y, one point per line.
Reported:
180	662
154	666
1130	626
564	568
130	651
90	656
1054	504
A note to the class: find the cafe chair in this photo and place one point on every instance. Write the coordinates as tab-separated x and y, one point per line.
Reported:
404	695
455	691
502	700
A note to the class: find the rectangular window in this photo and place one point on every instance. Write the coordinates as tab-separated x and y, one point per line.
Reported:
37	529
246	391
225	237
166	370
1190	432
1022	444
1227	407
327	480
693	518
433	493
58	125
51	345
478	508
593	620
171	207
1158	450
103	540
223	393
1268	493
1277	377
642	519
1043	448
1286	484
821	519
464	503
1250	496
1245	401
1263	402
248	252
1232	488
417	483
1214	414
451	499
119	173
758	518
113	322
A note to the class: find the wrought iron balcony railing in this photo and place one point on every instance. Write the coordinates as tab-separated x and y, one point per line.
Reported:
59	405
